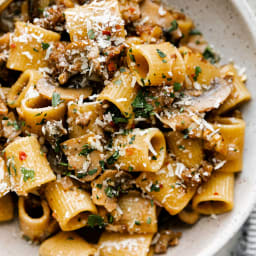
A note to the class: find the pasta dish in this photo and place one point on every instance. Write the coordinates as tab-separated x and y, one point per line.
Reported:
118	125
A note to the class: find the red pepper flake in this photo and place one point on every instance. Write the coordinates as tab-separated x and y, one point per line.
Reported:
22	155
111	66
216	193
13	45
161	185
132	10
106	32
129	151
112	124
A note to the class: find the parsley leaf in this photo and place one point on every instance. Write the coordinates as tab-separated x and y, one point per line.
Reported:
95	220
174	26
27	173
56	99
93	171
91	34
113	158
160	53
45	46
155	187
198	70
86	150
176	87
140	106
208	54
195	32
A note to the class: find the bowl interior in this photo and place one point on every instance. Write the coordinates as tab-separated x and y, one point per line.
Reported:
229	29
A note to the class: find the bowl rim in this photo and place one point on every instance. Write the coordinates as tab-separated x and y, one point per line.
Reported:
249	17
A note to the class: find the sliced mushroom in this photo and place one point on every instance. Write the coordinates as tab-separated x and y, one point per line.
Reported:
84	156
47	88
210	99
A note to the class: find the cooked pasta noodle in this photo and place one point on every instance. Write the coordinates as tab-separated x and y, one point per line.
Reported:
115	116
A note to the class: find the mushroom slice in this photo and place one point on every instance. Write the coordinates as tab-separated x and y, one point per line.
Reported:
212	98
46	88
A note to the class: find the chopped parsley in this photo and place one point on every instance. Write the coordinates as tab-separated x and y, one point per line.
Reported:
137	222
95	221
45	46
113	158
102	164
56	99
149	220
86	150
140	106
116	114
14	124
27	173
132	58
132	139
118	82
160	53
91	34
110	218
93	171
177	86
208	54
198	70
99	186
35	50
111	192
195	32
174	26
155	187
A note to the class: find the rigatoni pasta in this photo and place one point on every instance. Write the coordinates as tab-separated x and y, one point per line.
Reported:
71	206
27	165
115	121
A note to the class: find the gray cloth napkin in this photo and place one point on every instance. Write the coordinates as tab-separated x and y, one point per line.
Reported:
247	242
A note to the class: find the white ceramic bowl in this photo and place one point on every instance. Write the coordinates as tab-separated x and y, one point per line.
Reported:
230	26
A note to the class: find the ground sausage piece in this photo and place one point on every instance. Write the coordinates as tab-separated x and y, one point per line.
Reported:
53	18
167	238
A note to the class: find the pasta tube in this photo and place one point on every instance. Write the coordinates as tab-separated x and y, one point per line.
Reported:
83	22
66	243
30	47
115	244
139	216
71	207
232	131
197	69
66	94
24	88
166	188
215	196
6	208
28	167
188	151
239	93
156	64
121	92
5	184
37	111
140	150
35	219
